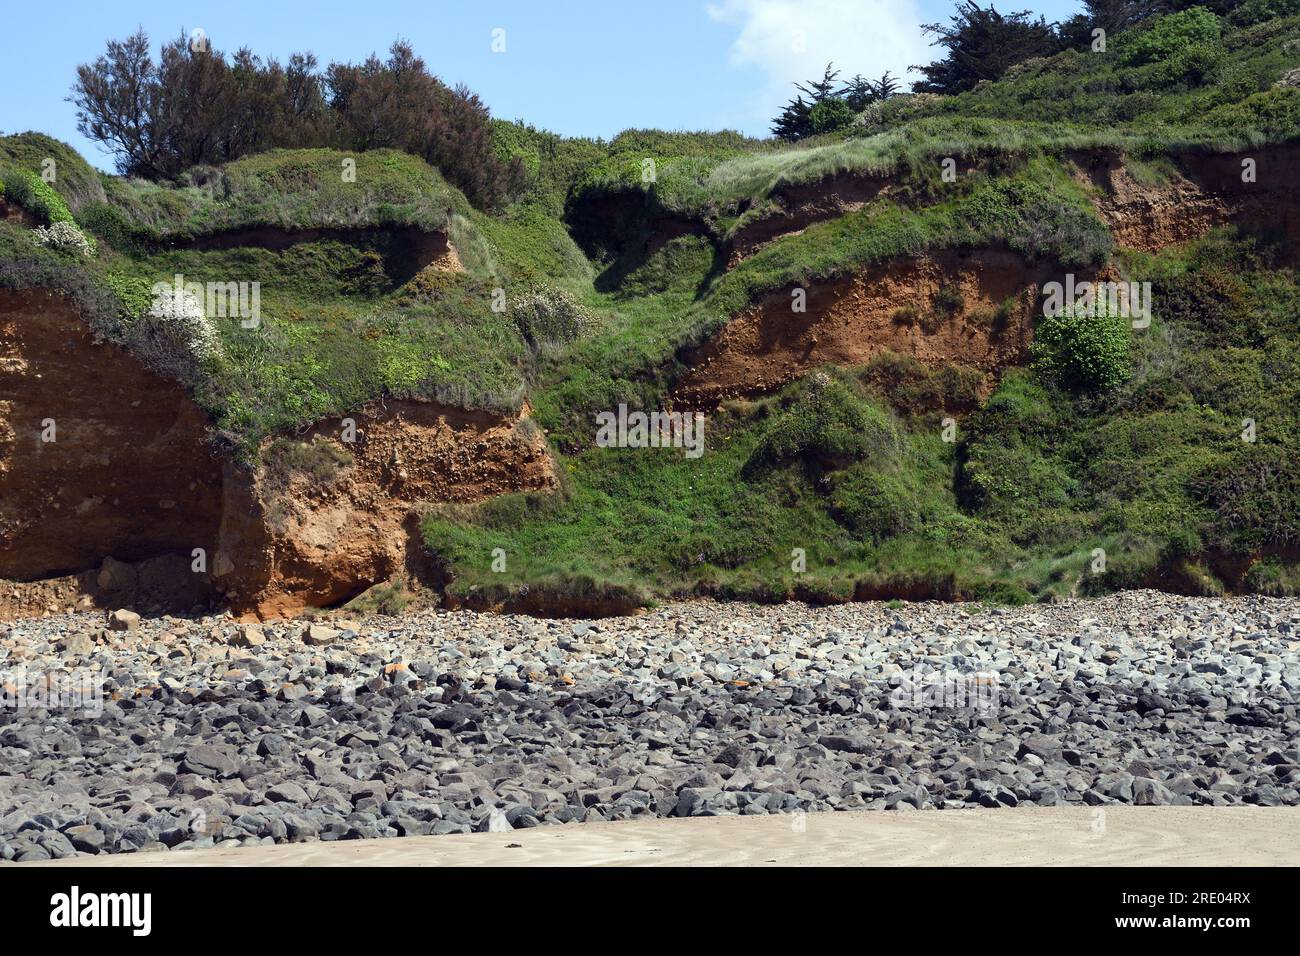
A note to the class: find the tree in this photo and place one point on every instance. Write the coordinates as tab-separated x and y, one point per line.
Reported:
116	100
200	107
982	44
1109	15
794	121
821	89
829	115
860	92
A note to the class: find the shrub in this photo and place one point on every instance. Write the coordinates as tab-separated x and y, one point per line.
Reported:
1084	348
827	420
24	188
550	316
877	503
1274	577
1011	470
174	337
114	226
829	115
66	237
1258	11
1255	496
186	109
135	293
1049	229
1215	301
1172	36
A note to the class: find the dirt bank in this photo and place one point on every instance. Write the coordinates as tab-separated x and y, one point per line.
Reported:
336	511
973	307
98	456
112	495
1196	193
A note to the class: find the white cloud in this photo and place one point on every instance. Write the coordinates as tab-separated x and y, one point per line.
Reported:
792	40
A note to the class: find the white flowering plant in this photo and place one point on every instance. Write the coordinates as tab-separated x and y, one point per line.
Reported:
66	237
179	316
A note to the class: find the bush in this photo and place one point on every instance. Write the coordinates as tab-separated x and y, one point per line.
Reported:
1255	496
66	237
550	316
1215	302
1084	348
829	115
1174	35
175	338
874	502
1258	11
827	421
114	226
134	292
187	109
1070	234
24	188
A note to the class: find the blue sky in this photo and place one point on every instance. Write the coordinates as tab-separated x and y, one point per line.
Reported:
573	66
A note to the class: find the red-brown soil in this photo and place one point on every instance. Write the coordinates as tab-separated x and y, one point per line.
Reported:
109	514
885	308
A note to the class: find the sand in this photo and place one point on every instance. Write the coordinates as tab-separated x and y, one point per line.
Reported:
1055	836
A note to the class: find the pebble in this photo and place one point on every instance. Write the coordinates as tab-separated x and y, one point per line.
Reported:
208	732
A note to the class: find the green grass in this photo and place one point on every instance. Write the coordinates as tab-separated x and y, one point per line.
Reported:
1037	209
1143	97
75	181
287	189
1152	472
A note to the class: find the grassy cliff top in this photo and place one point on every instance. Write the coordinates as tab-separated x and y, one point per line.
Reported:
290	190
1161	88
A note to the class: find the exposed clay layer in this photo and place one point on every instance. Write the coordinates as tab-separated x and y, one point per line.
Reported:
300	539
1207	191
891	307
10	212
799	206
128	473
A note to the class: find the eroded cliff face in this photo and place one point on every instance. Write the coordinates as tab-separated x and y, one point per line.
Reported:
98	456
346	516
1199	193
113	510
130	505
853	318
975	308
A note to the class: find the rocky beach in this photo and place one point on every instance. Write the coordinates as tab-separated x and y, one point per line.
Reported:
124	735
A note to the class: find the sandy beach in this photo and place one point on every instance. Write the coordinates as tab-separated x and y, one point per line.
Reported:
1038	836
